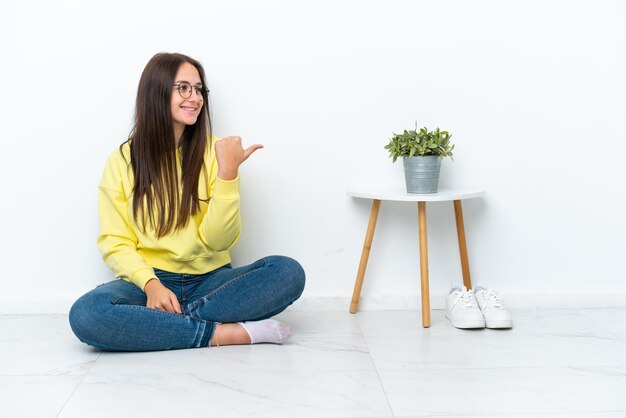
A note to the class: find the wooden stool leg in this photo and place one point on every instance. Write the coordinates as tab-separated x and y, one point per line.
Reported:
460	231
421	217
369	236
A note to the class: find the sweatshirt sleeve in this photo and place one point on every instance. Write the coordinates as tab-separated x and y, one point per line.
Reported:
117	241
221	225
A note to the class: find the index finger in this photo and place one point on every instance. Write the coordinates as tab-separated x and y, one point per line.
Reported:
175	305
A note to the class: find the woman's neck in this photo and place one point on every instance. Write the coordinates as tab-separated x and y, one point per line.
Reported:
178	134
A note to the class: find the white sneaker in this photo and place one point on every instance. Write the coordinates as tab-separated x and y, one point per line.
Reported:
462	309
492	307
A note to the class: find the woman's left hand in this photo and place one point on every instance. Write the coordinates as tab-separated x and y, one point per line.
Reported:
230	155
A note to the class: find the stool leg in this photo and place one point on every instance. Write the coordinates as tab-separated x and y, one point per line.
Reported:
421	217
460	231
367	245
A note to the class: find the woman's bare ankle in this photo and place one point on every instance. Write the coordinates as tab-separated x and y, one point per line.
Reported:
229	334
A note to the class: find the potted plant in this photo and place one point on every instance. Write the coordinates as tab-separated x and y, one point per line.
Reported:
422	152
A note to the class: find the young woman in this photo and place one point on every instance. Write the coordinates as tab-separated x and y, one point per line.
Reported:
169	213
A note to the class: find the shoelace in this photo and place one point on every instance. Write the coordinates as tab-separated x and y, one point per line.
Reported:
467	299
493	299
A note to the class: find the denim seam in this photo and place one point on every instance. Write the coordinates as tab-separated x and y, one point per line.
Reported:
157	310
114	301
203	337
199	332
224	286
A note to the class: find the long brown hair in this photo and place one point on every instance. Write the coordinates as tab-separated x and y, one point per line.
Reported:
156	194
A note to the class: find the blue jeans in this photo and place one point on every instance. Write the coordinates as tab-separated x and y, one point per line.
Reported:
114	316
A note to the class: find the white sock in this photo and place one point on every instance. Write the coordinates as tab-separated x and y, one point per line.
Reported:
266	331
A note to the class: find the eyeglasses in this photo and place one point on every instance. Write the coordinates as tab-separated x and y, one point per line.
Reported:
185	89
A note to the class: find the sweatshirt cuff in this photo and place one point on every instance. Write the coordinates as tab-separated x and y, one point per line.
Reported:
141	277
226	189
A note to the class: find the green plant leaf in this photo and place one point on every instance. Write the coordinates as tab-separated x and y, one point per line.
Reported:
420	142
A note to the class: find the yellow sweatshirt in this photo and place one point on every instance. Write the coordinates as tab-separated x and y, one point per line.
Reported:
199	247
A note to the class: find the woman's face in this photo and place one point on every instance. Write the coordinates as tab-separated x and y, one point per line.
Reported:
185	111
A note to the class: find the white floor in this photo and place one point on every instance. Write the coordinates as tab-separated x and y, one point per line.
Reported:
554	363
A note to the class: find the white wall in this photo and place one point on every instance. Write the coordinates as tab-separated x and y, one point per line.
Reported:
532	91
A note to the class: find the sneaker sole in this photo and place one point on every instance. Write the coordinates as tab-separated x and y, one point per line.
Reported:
467	324
499	324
